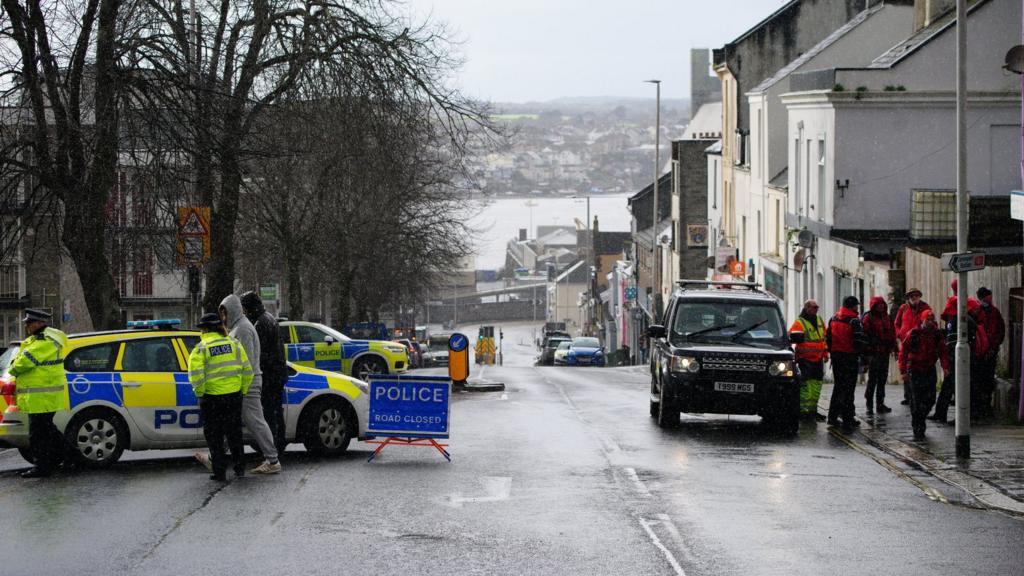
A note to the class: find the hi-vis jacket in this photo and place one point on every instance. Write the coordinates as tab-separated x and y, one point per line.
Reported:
218	365
39	372
813	348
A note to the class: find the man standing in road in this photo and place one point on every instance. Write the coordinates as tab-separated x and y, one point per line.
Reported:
811	355
272	365
920	350
881	339
846	343
990	320
220	373
41	390
908	318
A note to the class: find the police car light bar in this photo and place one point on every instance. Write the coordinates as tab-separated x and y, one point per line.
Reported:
164	323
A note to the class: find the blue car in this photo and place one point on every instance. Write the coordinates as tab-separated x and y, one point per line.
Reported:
585	351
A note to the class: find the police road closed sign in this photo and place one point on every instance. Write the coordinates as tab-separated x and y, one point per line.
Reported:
409	406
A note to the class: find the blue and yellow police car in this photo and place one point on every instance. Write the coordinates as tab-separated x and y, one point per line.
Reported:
318	346
129	390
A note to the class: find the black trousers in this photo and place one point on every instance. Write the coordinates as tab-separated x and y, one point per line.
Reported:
983	379
273	411
946	395
844	370
922	396
878	373
222	420
45	441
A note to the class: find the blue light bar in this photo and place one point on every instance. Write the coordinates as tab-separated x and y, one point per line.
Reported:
163	323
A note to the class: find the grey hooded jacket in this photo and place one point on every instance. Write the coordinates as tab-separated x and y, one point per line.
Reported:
243	331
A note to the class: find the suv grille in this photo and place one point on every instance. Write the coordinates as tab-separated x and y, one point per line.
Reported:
735	363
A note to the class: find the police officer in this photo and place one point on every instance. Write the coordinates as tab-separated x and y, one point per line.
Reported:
39	371
220	374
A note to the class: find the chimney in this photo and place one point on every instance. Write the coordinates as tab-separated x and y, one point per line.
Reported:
926	11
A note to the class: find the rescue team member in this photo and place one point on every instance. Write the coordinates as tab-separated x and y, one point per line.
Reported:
922	347
908	318
846	343
977	343
881	343
990	320
39	371
811	355
220	374
272	365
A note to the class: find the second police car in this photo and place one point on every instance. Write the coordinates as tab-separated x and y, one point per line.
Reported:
318	346
129	390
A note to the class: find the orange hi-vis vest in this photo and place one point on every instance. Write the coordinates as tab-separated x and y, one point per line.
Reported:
813	348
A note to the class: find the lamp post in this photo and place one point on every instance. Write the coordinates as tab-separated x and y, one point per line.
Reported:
963	358
655	287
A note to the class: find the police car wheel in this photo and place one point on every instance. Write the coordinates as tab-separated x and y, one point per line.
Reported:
97	437
366	366
326	427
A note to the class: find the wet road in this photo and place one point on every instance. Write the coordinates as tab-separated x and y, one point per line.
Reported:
563	473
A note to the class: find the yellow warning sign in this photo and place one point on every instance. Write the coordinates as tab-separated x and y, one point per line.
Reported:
193	244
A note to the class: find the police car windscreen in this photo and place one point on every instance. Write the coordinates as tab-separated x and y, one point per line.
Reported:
7	357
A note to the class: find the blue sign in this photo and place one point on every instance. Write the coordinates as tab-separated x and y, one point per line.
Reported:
409	406
458	342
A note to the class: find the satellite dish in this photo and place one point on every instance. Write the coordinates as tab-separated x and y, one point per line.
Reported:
805	239
1015	60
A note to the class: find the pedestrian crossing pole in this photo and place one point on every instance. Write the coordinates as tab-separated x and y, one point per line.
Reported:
963	353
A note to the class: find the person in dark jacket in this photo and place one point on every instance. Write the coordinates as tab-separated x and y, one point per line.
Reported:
990	320
881	343
907	318
977	343
846	343
922	347
272	363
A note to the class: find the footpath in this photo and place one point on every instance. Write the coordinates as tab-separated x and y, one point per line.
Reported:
994	475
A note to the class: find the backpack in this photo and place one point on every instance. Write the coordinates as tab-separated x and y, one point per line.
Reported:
860	339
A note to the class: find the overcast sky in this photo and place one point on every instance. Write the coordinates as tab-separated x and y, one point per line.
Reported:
522	50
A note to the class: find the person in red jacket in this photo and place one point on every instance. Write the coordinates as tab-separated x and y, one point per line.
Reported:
908	317
919	351
977	343
881	343
846	343
990	320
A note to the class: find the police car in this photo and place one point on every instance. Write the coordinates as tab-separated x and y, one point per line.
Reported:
318	346
129	390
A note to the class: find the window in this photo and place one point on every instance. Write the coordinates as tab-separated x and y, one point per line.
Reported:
190	342
309	334
798	203
760	144
714	184
758	231
822	192
778	227
808	176
99	358
150	355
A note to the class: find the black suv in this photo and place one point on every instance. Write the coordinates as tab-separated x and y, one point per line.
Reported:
723	349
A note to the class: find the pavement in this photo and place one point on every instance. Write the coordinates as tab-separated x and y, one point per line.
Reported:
994	475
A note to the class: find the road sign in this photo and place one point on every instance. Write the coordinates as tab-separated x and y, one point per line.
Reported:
963	261
458	357
631	293
193	235
268	292
409	406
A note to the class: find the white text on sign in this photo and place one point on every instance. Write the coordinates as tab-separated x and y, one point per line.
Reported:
411	394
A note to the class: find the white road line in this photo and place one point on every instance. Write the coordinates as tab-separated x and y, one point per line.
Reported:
657	542
637	483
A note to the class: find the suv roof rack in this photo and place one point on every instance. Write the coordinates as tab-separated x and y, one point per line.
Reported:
754	286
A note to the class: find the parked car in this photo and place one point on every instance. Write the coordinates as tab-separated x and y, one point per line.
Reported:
415	352
561	351
585	351
436	353
547	350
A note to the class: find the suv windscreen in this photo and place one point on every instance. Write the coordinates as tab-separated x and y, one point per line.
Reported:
727	321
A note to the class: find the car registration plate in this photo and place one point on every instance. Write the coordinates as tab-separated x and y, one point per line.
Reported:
747	388
583	359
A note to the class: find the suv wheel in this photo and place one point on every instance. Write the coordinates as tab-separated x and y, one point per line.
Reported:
668	412
369	365
655	400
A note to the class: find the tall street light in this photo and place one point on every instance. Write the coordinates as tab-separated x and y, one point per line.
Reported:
655	287
962	367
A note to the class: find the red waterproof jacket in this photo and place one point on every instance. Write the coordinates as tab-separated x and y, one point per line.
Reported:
976	336
879	329
991	321
845	333
922	348
908	318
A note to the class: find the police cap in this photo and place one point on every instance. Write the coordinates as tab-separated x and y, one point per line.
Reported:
36	315
209	320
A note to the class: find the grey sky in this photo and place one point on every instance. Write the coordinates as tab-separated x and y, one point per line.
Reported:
524	50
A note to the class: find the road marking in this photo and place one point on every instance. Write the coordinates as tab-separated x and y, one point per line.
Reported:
608	445
637	483
657	542
497	488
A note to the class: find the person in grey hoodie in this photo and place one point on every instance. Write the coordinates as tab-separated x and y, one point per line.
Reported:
242	330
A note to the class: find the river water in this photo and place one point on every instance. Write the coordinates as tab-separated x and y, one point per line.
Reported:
499	221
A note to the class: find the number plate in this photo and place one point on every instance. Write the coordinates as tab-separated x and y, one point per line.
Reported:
583	359
734	387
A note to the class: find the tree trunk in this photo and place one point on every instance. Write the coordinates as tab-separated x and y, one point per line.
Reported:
293	262
220	279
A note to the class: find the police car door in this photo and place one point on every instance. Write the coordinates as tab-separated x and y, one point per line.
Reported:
156	390
326	350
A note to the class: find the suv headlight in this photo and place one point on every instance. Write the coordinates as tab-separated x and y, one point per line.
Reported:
684	364
780	368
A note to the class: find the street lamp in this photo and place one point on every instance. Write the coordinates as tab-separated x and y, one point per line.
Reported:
655	288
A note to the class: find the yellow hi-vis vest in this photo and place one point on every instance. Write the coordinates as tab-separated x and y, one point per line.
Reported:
38	370
219	365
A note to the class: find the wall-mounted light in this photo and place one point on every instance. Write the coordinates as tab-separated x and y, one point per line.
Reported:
842	185
1015	60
